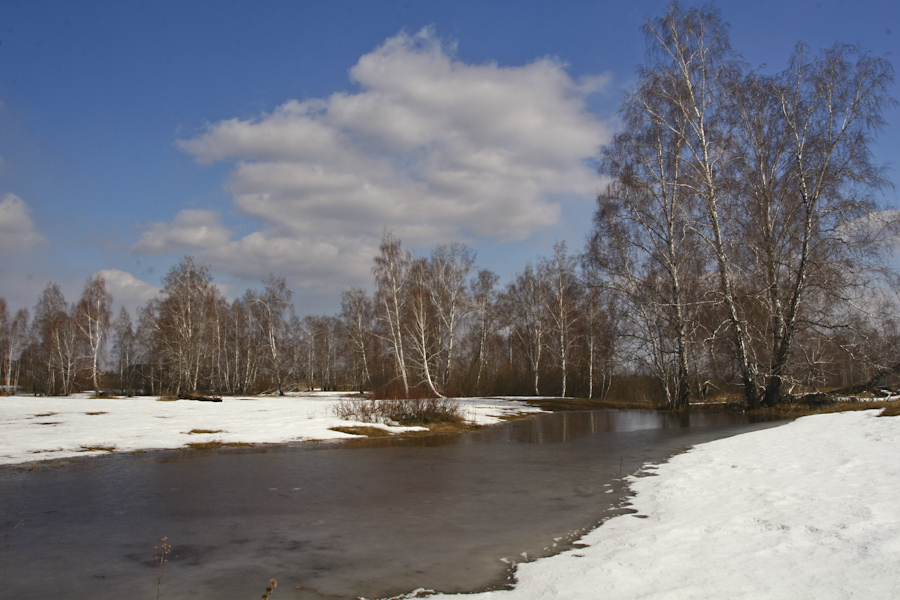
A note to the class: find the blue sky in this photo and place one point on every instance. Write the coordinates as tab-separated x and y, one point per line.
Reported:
284	136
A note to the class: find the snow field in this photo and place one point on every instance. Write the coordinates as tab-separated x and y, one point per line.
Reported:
45	428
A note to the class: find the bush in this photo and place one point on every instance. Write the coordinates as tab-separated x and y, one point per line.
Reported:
404	411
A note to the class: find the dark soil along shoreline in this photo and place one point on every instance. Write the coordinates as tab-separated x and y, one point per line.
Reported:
373	518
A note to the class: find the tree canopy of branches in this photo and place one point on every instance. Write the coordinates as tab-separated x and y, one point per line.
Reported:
745	196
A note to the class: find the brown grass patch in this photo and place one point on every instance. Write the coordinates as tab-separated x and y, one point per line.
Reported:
794	411
363	430
451	427
204	431
515	416
215	444
101	412
892	410
98	448
45	415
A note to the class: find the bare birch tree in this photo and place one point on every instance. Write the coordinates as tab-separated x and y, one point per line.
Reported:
563	299
273	311
57	338
483	293
15	338
184	323
448	273
356	315
92	317
524	303
421	324
391	271
123	350
831	107
774	174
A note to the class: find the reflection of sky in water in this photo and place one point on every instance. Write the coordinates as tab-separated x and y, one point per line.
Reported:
341	521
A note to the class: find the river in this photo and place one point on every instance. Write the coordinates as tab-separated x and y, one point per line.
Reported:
373	518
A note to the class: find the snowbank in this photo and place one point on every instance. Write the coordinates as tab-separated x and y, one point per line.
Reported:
805	510
39	428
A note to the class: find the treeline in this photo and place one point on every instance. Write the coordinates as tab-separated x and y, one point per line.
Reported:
434	326
737	250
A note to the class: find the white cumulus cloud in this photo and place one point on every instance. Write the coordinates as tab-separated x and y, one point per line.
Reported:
432	147
17	230
190	229
127	290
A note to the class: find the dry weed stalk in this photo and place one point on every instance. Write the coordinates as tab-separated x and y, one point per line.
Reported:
271	588
161	559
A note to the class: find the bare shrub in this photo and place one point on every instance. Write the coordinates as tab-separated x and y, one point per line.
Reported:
405	411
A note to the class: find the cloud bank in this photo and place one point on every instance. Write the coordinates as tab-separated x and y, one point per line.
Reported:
434	148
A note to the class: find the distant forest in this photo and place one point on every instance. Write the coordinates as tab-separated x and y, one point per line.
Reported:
737	252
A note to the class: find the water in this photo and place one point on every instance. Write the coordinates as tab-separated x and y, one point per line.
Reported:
372	518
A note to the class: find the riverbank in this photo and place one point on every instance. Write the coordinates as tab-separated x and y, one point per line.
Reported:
54	429
804	510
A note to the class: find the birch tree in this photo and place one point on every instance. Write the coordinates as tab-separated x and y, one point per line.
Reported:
273	311
15	339
773	174
123	350
356	316
483	293
831	106
391	271
448	273
524	301
183	323
57	338
92	317
563	292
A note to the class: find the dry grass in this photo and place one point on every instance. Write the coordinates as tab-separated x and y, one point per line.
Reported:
794	411
193	431
515	416
269	589
216	444
892	410
98	448
363	430
102	412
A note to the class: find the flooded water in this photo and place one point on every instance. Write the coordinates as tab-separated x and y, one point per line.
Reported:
373	518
